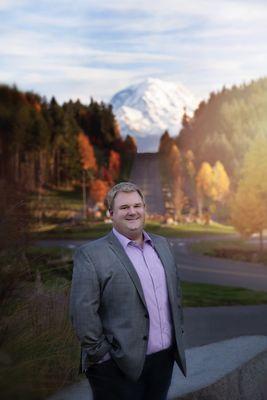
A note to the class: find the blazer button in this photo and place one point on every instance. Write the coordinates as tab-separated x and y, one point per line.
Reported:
146	316
145	338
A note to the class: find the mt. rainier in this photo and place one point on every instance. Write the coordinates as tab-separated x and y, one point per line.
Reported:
147	109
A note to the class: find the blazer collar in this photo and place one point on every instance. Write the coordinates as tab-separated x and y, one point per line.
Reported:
117	247
124	241
160	246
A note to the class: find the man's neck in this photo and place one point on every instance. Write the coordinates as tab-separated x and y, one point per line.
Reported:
139	240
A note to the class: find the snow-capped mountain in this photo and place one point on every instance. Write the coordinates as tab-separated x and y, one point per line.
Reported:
147	109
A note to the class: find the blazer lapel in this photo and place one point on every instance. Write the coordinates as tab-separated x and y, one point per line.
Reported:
121	254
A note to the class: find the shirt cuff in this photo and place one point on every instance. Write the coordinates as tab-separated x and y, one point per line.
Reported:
105	358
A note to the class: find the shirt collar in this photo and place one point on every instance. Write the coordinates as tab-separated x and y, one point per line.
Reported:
125	241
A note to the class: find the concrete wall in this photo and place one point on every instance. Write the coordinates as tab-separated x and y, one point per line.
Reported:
248	382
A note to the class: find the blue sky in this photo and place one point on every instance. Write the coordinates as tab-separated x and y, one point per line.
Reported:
82	49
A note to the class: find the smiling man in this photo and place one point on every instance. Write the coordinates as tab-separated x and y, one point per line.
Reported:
125	306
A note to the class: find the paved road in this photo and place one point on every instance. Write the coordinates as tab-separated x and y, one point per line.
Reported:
204	325
197	268
145	173
203	269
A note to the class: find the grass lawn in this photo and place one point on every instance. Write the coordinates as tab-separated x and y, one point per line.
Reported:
91	230
189	230
59	198
205	295
87	230
236	249
56	206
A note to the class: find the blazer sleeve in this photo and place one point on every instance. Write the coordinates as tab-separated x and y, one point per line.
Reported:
84	305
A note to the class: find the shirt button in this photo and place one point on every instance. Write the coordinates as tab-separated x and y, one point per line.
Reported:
145	338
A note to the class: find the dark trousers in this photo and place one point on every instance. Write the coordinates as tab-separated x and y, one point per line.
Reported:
108	382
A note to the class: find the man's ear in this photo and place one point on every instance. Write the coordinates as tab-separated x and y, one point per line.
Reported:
110	212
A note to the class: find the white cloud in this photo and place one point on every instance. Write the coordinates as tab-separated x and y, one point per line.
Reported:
91	48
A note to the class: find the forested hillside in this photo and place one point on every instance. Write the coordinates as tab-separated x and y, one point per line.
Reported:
42	143
206	166
224	127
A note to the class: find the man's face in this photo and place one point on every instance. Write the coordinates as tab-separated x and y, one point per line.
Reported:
128	214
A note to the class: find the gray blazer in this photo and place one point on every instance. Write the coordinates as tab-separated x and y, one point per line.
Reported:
108	309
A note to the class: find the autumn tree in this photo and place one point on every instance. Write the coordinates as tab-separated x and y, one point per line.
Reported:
165	146
189	163
98	190
189	178
114	165
204	183
212	183
88	163
171	162
174	161
178	197
127	154
249	205
249	211
221	182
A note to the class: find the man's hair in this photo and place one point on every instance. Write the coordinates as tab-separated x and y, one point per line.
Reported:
122	187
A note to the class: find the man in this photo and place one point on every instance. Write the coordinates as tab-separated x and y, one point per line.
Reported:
126	306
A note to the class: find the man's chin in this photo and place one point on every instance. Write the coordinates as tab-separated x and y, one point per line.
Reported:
135	227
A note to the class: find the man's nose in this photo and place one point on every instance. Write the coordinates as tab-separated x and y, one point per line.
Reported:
131	210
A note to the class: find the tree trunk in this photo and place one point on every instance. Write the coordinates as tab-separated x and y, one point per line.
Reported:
84	195
40	178
200	204
57	167
16	167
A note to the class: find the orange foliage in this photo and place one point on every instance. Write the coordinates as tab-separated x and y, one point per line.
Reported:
114	164
88	160
98	190
37	107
